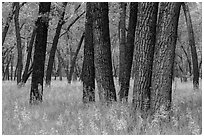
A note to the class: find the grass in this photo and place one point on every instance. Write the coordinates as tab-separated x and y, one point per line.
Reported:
62	112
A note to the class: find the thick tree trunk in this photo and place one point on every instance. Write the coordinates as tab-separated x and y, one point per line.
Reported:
145	43
29	54
73	61
192	45
54	46
8	21
88	69
18	38
128	55
162	72
102	52
39	53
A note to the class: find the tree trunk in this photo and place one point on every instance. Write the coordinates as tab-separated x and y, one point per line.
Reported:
88	69
192	45
73	61
12	57
54	45
39	53
102	52
18	38
162	71
145	43
128	53
8	21
29	50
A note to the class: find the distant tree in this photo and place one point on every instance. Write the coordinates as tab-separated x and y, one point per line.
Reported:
39	53
102	52
18	38
88	69
192	45
128	53
162	71
54	45
144	51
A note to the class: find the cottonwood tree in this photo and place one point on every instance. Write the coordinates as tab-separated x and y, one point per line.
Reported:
144	51
162	71
39	53
128	53
88	69
102	52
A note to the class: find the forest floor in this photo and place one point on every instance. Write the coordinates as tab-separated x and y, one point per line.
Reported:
62	112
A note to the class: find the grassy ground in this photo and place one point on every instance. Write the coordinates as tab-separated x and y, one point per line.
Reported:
62	112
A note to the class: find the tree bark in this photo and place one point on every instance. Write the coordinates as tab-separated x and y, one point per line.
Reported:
39	53
128	53
145	43
73	61
192	45
18	38
102	52
162	71
54	45
88	69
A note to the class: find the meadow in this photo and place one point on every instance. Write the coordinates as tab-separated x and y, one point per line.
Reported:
63	113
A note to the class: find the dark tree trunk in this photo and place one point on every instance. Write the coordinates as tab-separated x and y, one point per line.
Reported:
162	71
88	69
102	52
122	41
192	45
29	54
128	55
145	43
12	57
8	21
39	53
54	46
6	71
18	38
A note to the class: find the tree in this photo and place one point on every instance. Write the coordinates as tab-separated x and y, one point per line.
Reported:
144	51
39	53
162	71
88	69
128	53
54	45
192	45
18	38
102	52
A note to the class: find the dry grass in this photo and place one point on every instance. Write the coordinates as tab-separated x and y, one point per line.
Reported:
62	112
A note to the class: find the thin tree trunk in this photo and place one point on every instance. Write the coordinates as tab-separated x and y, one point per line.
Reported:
54	45
128	55
163	64
19	48
88	69
12	57
39	53
29	50
192	45
73	61
145	43
102	52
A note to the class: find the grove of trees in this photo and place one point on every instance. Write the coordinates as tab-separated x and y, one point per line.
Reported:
102	44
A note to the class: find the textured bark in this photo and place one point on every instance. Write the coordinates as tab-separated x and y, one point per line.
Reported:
54	45
18	38
39	53
88	69
192	45
145	43
8	21
128	53
102	52
73	61
29	54
162	71
122	41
